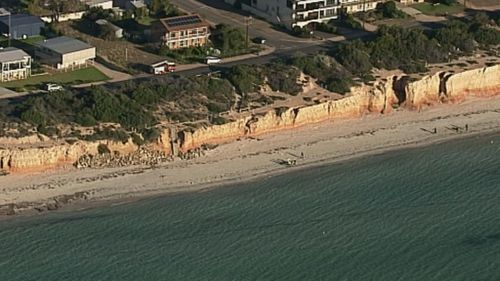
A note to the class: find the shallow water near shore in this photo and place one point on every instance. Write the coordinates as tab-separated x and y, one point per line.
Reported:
430	213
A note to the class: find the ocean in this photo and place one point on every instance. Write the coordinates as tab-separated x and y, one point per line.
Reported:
430	213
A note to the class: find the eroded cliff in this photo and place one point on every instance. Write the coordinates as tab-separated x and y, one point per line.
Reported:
379	98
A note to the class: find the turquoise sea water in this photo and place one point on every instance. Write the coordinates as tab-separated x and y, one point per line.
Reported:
430	213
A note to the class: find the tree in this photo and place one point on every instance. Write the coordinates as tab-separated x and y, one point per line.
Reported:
58	7
97	13
106	32
354	60
228	39
389	10
163	8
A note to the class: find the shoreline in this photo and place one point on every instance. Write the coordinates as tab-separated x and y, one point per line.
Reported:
250	159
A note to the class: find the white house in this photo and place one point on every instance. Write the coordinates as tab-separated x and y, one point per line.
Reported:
65	53
105	4
15	64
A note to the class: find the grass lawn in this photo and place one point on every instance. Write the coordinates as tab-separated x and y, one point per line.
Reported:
25	44
147	20
79	76
438	9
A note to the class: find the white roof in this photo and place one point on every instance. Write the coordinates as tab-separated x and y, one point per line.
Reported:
12	54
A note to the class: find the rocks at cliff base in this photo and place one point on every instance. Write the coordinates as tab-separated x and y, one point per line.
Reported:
196	152
51	204
142	156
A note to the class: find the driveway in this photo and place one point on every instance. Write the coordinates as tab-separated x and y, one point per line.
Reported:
485	5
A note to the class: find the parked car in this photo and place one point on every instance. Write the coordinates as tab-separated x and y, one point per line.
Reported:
53	87
259	40
212	60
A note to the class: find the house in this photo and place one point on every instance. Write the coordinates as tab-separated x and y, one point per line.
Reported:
105	4
64	53
20	26
354	6
15	64
181	32
118	31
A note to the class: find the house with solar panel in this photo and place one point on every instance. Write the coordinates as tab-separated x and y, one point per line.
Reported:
64	53
181	32
15	64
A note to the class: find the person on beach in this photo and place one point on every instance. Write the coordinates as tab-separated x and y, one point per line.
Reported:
435	131
466	127
302	155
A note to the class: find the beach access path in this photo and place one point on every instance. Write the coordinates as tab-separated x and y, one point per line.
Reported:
251	158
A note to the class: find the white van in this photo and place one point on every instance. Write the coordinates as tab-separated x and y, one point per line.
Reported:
212	60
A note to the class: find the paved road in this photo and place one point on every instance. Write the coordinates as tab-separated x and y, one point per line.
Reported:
225	66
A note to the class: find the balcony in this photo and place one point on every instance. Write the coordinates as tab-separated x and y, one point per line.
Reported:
316	5
189	36
311	16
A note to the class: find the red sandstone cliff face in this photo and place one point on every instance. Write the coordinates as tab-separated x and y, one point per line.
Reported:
445	86
379	98
477	82
425	91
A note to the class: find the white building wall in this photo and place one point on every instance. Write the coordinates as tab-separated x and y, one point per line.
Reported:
76	58
292	13
275	11
104	5
64	17
354	6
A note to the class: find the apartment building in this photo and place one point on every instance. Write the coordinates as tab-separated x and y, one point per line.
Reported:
291	13
15	64
181	32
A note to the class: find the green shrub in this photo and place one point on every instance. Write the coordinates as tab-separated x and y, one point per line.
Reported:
137	139
151	134
103	149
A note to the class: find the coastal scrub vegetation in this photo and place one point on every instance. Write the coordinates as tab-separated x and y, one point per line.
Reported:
139	106
134	105
278	75
386	10
411	49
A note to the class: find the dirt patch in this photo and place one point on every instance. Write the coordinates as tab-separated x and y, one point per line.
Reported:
121	53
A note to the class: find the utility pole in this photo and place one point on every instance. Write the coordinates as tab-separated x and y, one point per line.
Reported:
10	29
364	10
248	22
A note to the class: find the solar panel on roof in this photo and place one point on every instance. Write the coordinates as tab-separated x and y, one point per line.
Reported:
183	21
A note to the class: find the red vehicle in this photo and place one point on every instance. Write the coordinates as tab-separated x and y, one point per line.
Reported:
162	67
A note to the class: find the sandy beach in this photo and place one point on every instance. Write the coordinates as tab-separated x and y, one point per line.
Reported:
251	158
